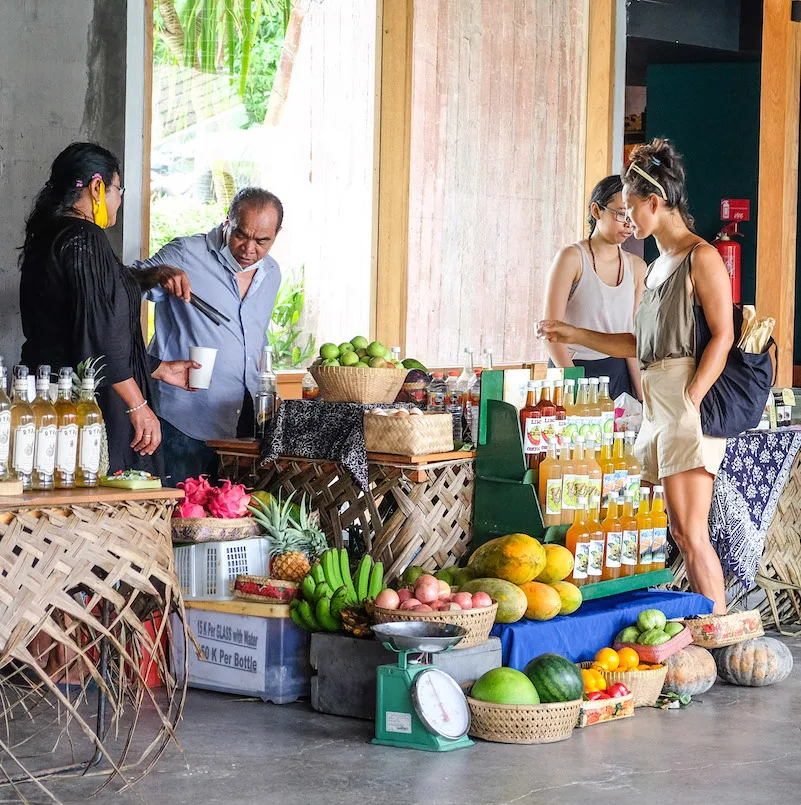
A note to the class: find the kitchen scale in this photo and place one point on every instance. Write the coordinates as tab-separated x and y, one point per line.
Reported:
419	706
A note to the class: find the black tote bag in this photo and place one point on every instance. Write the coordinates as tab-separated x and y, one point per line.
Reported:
737	399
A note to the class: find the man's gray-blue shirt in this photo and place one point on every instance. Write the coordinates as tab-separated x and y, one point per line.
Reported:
211	413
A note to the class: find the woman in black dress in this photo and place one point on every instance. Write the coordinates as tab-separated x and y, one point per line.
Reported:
78	301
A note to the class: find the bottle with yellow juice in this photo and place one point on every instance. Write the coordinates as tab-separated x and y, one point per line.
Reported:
550	485
595	476
645	527
613	538
634	469
595	561
569	482
630	554
577	541
660	520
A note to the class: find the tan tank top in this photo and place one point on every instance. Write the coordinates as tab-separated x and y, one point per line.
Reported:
665	322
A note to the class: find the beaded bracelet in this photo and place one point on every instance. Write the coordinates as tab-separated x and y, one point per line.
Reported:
136	407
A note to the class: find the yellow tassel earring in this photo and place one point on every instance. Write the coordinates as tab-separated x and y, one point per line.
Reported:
99	207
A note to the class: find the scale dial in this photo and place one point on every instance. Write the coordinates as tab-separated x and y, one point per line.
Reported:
440	704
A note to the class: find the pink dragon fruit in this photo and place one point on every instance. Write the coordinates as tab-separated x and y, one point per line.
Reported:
188	509
228	501
196	489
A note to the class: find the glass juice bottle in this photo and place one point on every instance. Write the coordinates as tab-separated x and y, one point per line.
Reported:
660	521
90	430
595	563
577	541
570	398
596	420
23	429
548	411
613	538
581	470
550	486
67	438
569	483
560	415
531	426
607	406
582	406
595	476
630	553
633	468
44	412
609	476
5	426
645	526
621	464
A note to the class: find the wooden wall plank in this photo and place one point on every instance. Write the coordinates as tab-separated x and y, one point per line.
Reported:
778	177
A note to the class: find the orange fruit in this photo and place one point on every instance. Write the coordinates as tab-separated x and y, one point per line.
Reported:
628	659
608	659
643	667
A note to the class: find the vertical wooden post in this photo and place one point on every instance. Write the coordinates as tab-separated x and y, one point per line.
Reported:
394	110
778	177
148	132
600	93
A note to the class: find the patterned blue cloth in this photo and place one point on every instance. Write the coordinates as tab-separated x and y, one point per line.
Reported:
751	479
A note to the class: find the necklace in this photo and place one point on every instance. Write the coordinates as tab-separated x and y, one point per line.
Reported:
619	262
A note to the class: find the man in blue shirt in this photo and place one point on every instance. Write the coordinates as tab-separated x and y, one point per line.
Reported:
230	268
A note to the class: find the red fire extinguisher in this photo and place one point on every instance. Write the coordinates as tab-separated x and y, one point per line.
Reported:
730	252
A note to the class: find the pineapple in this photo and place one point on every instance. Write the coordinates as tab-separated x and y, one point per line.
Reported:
316	542
289	563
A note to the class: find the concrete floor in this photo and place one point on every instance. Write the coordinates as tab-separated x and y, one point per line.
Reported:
733	745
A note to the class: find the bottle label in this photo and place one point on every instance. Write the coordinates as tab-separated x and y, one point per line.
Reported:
454	400
548	432
610	485
90	448
553	496
629	555
608	421
559	427
658	545
570	492
24	445
67	449
436	400
594	489
596	560
646	543
614	548
45	455
583	486
621	481
633	486
581	561
533	436
5	435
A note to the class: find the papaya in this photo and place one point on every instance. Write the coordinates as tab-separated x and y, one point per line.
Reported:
512	601
543	602
558	564
517	558
570	596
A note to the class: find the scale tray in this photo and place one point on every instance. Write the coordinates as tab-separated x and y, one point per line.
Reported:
423	637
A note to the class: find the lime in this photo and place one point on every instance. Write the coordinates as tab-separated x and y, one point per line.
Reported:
376	349
344	347
361	352
349	359
378	363
329	352
360	342
331	362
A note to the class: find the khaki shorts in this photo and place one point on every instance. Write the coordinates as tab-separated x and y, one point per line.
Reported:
670	439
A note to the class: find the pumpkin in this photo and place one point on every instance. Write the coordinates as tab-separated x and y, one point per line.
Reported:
691	671
754	663
517	558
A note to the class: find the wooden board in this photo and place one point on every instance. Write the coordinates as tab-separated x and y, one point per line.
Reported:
238	607
98	494
603	589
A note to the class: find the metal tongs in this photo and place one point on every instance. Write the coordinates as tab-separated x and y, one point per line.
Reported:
207	310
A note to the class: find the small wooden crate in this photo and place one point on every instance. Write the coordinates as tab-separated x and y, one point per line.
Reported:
602	711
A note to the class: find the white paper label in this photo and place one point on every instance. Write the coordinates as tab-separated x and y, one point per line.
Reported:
399	722
532	436
596	558
646	542
24	444
90	448
5	435
581	561
614	548
658	546
67	449
553	496
45	458
629	556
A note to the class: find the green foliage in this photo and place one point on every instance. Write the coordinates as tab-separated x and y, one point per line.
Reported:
177	216
284	334
265	55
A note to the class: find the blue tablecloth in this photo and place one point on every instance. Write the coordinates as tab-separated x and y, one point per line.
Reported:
579	636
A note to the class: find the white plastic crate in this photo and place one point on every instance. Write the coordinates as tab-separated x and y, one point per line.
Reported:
209	569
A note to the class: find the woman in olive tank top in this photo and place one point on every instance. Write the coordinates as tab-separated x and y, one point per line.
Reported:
688	272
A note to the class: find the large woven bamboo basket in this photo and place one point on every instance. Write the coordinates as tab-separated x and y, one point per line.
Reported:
476	622
213	529
523	724
358	385
645	685
408	434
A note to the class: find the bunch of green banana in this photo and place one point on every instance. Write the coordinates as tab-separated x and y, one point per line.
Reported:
369	579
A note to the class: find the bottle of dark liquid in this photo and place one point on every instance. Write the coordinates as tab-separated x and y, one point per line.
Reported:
531	426
548	411
267	399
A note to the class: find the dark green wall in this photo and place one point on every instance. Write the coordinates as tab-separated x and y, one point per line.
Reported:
711	112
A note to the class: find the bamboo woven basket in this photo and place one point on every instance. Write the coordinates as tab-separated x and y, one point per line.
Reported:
358	385
645	685
655	654
213	529
719	631
408	435
265	590
523	724
476	622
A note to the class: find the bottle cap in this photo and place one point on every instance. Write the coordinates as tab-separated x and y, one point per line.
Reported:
583	381
603	379
438	374
658	489
593	381
558	383
453	373
619	434
532	385
469	350
579	439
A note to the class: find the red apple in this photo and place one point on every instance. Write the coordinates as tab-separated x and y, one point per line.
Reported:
409	603
464	600
481	600
404	594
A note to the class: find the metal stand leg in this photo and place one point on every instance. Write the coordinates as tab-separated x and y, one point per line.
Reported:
100	728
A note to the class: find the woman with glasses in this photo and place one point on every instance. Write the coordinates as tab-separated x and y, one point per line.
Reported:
596	285
78	301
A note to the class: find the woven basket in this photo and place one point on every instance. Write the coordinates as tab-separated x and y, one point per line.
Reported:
358	385
213	529
523	724
655	654
407	435
476	622
719	631
645	685
265	590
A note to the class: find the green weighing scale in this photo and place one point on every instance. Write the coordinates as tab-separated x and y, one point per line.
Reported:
419	706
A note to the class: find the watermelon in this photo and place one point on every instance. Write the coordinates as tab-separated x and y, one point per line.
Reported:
555	678
505	686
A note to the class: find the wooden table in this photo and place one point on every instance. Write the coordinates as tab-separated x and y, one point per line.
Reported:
88	570
417	510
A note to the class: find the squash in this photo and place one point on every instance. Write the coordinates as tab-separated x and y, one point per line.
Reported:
691	671
517	558
755	663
